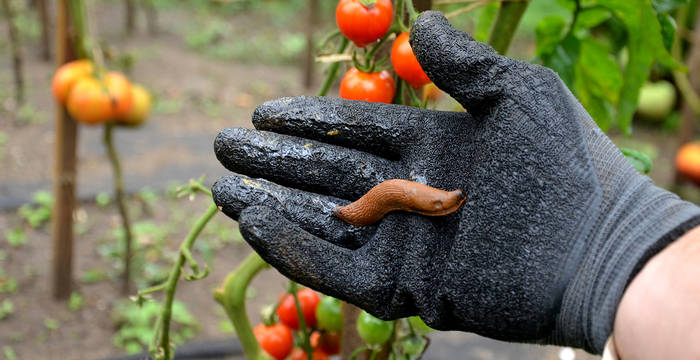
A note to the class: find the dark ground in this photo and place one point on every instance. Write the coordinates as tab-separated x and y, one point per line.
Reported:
205	95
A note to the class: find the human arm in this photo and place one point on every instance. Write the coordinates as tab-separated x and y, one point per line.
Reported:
659	315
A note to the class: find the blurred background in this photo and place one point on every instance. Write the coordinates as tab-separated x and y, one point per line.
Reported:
206	65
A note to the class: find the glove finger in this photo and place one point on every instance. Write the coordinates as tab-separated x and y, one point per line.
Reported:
301	163
299	255
365	126
464	68
312	212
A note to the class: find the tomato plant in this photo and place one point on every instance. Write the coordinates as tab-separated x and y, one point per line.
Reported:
287	312
277	340
405	63
375	87
364	21
328	314
372	330
67	75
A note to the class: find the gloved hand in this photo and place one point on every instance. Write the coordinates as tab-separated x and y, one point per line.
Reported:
555	224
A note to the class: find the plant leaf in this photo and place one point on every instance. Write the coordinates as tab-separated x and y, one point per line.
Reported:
547	34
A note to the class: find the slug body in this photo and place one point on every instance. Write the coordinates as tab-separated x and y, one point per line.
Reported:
404	195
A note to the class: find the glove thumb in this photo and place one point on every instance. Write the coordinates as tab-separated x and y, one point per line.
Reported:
454	61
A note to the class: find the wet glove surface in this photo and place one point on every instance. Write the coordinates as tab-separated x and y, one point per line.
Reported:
555	223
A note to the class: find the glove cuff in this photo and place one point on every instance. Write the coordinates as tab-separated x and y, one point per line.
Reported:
631	231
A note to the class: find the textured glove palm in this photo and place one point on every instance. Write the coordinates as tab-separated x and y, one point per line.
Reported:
555	224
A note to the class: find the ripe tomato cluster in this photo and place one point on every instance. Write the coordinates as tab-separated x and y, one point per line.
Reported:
322	319
92	97
369	22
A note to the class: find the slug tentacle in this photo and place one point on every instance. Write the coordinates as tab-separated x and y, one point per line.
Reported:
404	195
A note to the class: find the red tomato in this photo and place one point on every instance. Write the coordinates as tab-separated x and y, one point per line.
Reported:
119	89
374	87
277	340
361	24
299	354
329	342
287	311
66	76
405	63
88	102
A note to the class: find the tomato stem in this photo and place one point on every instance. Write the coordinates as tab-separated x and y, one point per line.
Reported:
231	295
506	23
293	288
398	97
412	14
333	70
108	140
161	348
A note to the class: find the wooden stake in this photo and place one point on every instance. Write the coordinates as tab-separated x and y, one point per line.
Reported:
65	139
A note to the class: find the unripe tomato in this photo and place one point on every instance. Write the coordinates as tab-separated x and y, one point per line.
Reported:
299	354
374	87
287	312
119	89
66	76
89	102
362	24
140	107
372	330
277	340
329	315
412	345
688	161
405	63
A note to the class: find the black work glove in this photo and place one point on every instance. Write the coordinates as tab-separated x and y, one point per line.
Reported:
555	224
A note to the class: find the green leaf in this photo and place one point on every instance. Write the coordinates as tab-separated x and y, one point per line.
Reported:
547	34
598	80
668	29
591	17
485	21
564	58
645	44
664	6
639	160
600	72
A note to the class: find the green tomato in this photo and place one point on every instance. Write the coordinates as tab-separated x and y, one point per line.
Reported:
413	345
372	330
656	100
329	315
419	326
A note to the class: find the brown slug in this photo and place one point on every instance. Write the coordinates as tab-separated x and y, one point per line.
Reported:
404	195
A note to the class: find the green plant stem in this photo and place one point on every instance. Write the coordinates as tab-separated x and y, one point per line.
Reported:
681	79
77	16
119	196
232	296
506	23
161	347
333	70
302	322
